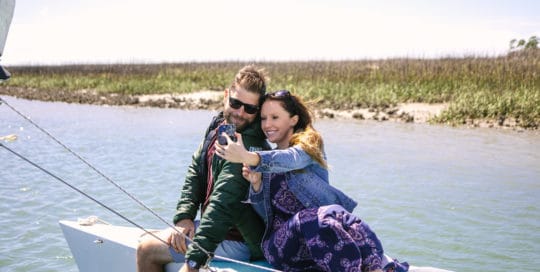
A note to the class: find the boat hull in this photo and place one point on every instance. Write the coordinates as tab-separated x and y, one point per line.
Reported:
104	247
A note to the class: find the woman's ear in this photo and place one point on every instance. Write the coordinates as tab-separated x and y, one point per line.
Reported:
294	120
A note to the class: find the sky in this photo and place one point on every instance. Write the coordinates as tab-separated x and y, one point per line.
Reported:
51	32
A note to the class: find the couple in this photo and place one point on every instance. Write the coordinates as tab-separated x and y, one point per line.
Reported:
298	221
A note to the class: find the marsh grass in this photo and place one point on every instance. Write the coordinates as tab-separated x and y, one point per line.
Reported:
474	87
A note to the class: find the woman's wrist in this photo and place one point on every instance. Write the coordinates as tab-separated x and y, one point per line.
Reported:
252	159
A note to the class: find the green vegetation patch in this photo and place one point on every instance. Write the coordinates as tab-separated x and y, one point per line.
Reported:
474	87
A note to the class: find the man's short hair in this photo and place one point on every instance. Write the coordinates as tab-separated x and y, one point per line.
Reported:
251	79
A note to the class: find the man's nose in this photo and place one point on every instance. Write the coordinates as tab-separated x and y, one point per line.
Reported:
242	111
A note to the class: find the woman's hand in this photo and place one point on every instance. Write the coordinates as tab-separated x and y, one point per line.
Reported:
236	152
253	177
232	151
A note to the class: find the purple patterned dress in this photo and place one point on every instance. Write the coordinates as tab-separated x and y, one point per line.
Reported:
327	238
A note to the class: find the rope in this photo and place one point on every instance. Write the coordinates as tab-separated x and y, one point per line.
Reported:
91	220
9	138
14	137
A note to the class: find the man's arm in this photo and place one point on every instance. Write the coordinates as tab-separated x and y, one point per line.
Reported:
223	211
192	191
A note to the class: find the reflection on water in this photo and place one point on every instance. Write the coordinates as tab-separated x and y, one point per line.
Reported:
460	199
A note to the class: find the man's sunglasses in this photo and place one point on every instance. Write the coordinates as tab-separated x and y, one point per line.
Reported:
248	108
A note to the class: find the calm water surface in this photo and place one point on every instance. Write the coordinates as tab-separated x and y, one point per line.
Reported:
460	199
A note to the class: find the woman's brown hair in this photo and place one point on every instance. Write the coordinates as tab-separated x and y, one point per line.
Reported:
304	134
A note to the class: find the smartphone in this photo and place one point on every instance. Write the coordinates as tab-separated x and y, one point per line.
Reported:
229	130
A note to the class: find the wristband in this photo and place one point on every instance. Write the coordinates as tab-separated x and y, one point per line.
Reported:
192	264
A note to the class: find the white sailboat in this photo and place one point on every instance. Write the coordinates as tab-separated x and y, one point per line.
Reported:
98	246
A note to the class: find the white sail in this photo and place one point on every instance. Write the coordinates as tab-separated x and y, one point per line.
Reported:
6	14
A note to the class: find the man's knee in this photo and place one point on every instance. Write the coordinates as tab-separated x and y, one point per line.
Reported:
143	249
153	251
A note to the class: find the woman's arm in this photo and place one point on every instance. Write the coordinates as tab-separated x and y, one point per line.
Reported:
273	161
282	160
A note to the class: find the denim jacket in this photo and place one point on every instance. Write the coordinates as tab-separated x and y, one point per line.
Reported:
306	179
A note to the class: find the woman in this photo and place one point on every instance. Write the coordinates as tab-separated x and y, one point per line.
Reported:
309	224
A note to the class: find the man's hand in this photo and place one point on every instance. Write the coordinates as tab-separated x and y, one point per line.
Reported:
177	240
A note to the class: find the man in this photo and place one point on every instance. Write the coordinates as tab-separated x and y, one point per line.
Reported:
228	227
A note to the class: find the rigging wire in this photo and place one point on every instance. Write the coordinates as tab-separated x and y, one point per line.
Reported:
88	164
79	191
210	255
101	173
118	213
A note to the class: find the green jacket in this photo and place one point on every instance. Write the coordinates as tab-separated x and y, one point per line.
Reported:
226	208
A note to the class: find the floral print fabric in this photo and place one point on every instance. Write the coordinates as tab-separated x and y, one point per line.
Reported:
327	238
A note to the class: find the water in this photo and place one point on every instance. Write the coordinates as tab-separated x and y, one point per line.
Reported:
459	199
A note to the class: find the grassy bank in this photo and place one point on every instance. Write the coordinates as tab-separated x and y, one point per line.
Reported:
475	88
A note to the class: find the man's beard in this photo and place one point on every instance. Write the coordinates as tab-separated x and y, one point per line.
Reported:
239	126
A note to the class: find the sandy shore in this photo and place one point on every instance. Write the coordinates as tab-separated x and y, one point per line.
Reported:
213	100
413	112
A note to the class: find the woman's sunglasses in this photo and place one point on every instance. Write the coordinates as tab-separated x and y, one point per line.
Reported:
248	108
286	97
281	93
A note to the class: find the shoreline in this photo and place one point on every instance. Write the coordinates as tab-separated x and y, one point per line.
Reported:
212	100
